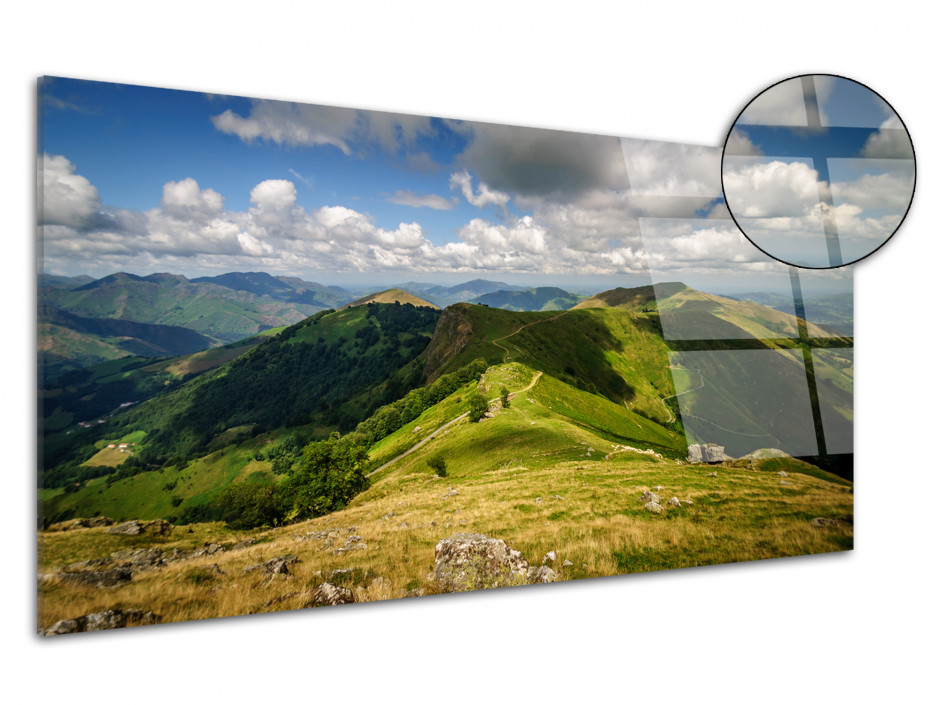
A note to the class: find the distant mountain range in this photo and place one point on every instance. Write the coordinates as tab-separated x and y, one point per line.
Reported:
289	289
446	295
543	298
146	314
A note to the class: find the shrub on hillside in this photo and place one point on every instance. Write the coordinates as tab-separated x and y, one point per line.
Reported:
247	505
478	407
330	474
437	463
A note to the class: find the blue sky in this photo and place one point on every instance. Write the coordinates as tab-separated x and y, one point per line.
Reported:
144	179
130	140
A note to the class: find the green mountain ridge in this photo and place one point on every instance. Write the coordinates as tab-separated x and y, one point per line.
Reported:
607	370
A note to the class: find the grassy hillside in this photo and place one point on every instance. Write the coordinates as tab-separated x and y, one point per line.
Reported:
615	353
581	420
68	342
542	475
331	370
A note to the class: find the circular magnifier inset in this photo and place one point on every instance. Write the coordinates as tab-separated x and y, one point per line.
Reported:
818	171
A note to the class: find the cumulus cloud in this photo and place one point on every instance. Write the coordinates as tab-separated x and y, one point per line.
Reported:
67	197
184	199
890	189
296	124
739	144
890	141
427	200
671	169
676	247
757	188
589	231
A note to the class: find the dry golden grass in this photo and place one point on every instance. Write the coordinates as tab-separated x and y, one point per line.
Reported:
588	511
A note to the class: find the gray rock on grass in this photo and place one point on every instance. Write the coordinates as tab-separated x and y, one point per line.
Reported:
541	574
98	621
328	594
466	561
654	507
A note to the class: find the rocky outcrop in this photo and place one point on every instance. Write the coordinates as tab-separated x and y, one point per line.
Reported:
707	453
649	497
453	331
141	557
465	562
329	594
82	523
106	578
110	619
134	527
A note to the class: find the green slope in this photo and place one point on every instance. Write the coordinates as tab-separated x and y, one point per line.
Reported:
330	370
221	313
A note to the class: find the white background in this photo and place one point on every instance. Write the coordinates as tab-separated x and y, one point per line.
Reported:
823	628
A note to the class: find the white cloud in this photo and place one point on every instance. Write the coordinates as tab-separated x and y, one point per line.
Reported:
428	200
184	199
670	169
522	236
485	196
679	248
890	189
739	144
296	124
591	231
67	198
291	124
891	141
274	195
757	188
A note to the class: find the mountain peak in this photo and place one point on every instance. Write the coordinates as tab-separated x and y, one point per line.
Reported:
391	296
632	297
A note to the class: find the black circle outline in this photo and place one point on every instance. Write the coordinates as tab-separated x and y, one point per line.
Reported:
803	266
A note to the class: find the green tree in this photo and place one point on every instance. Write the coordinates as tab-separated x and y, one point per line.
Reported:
437	463
504	397
330	473
478	406
252	503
